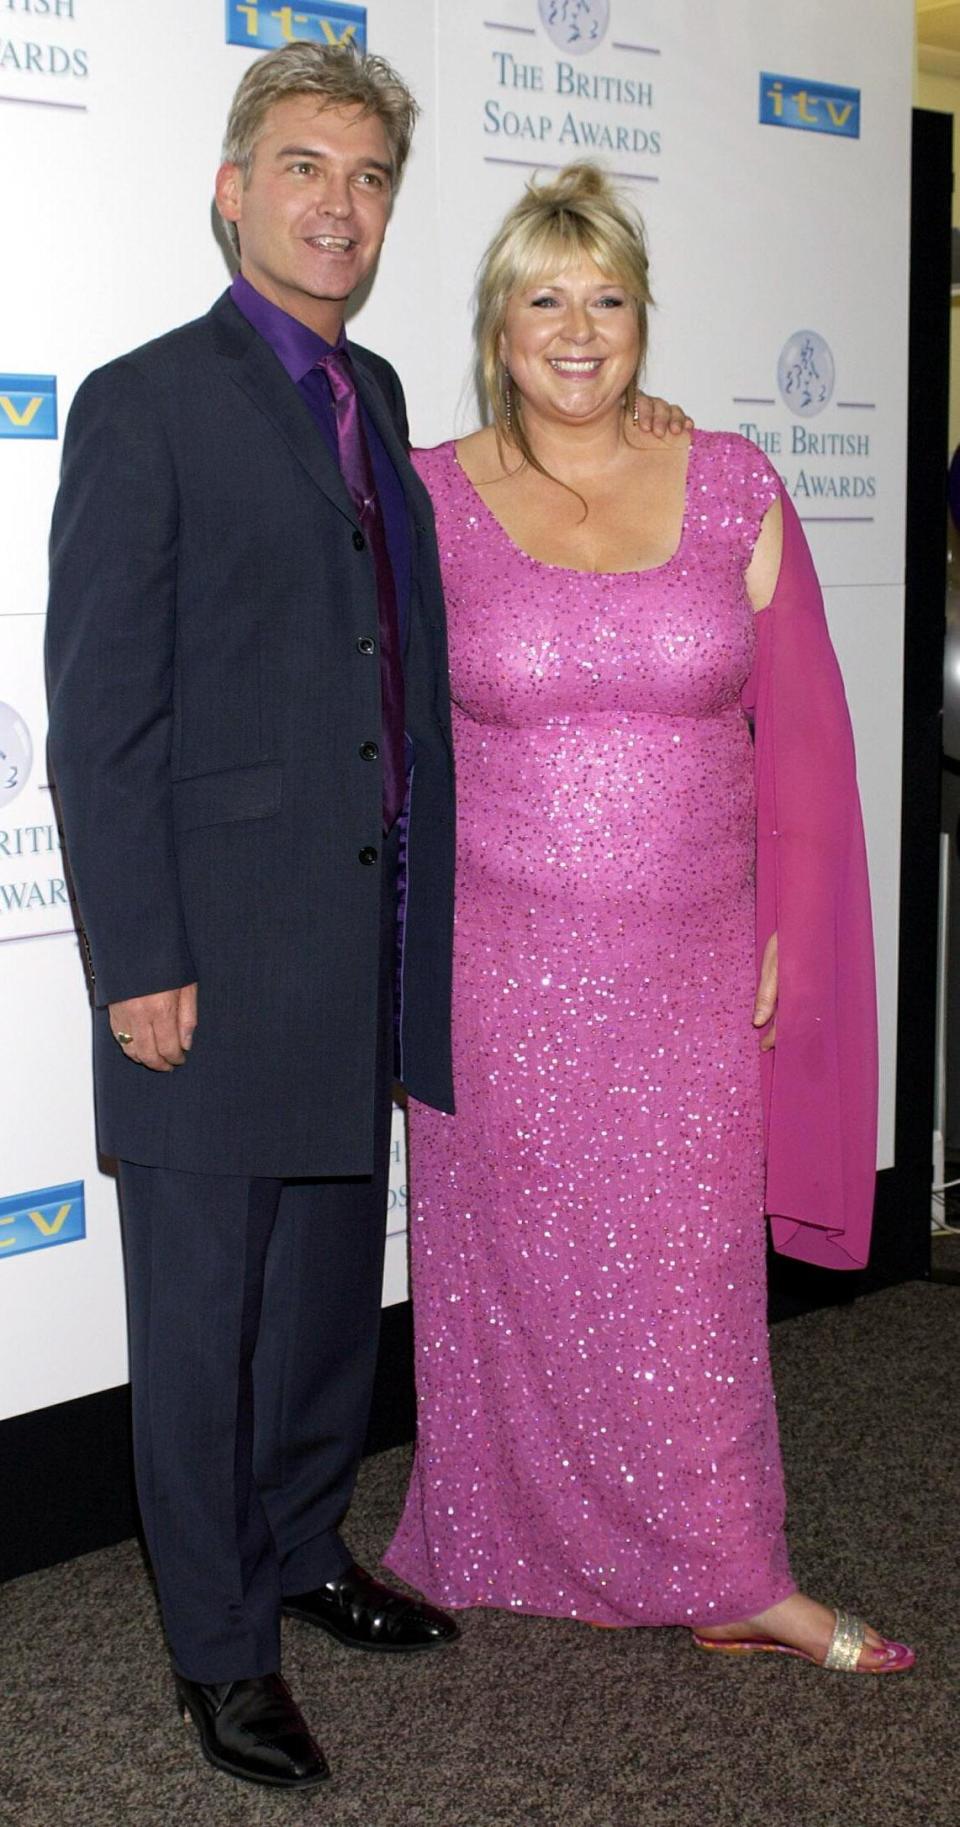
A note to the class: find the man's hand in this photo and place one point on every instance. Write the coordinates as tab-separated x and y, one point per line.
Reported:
765	1006
160	1027
660	417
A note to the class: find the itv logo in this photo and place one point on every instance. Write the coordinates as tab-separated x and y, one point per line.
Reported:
37	1221
257	23
28	405
813	107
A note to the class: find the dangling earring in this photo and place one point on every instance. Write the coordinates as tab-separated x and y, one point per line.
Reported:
508	401
636	404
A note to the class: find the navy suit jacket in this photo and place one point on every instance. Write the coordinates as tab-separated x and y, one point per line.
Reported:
213	677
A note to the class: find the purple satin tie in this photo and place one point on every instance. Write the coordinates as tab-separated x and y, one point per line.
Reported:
357	471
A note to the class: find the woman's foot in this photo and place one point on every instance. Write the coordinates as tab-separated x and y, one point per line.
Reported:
804	1625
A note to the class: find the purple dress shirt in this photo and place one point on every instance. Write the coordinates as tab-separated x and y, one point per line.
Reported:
298	349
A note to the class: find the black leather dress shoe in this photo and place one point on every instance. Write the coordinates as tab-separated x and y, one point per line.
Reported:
363	1613
255	1730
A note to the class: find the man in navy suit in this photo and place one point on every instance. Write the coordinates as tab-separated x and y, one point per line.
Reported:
249	735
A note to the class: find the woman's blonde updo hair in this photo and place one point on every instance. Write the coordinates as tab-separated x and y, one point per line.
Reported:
575	215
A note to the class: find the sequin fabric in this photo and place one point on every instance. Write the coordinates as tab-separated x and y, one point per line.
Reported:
597	1434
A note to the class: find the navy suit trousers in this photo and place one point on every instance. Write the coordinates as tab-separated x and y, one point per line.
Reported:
253	1313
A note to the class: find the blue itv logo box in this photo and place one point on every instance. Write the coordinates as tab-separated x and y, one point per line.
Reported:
811	107
258	24
28	405
37	1221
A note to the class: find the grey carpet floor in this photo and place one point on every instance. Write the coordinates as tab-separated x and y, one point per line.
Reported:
537	1723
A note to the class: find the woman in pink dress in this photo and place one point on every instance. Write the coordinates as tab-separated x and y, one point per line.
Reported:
597	1435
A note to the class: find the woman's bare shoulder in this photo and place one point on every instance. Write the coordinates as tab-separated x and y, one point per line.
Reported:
763	572
478	455
674	444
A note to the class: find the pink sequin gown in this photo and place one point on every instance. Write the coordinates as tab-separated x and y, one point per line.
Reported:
597	1435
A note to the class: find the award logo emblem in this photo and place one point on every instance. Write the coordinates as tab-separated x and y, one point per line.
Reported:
16	754
806	374
575	25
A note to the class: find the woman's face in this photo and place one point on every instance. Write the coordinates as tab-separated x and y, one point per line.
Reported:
571	345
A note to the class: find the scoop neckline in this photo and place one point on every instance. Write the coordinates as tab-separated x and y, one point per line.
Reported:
543	564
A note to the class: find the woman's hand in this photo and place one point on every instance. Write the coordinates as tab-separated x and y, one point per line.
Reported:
765	1006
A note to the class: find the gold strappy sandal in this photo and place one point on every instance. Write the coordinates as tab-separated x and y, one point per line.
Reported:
843	1654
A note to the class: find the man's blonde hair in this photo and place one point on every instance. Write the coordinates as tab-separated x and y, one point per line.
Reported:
339	76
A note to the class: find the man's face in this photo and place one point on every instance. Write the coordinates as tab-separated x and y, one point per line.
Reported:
313	212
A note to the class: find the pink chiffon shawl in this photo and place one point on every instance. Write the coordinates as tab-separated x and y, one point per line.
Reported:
820	1080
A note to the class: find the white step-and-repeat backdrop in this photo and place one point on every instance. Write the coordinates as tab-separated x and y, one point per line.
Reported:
768	146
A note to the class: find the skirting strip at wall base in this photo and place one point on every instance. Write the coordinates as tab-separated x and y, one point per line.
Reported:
66	1474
